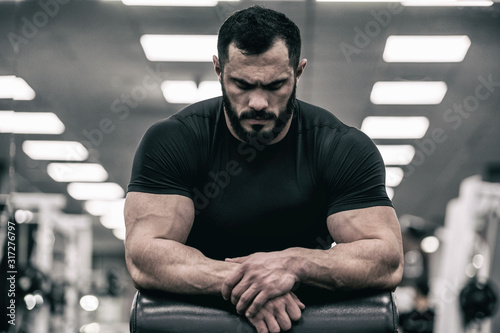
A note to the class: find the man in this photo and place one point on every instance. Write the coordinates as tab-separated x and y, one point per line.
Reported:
231	195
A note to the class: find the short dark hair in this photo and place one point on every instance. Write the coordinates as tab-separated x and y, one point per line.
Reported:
254	30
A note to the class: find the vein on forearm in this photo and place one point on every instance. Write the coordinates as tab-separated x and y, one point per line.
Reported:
361	264
175	267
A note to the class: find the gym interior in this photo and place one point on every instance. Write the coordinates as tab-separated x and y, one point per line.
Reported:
86	78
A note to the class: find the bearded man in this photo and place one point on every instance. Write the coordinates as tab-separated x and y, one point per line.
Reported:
230	195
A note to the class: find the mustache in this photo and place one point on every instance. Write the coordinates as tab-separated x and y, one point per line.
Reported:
260	114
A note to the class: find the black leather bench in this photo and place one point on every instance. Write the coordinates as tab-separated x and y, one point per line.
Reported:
336	312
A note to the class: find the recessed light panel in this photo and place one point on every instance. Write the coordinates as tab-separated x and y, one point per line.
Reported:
440	3
357	1
181	48
393	176
186	92
426	48
397	154
390	192
113	221
447	3
408	92
13	87
120	233
395	127
183	3
55	150
105	207
77	172
95	191
30	123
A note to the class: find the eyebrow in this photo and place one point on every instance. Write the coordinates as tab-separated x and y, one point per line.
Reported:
245	82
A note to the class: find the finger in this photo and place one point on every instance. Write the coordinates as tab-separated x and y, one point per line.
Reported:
242	287
244	301
282	317
259	302
301	305
229	283
292	308
271	322
259	325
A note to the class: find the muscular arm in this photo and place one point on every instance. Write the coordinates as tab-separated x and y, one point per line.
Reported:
368	254
157	258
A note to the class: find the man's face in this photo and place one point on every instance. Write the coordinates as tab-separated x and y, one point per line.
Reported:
258	93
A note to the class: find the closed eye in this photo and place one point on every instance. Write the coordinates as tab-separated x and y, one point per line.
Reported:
242	84
275	85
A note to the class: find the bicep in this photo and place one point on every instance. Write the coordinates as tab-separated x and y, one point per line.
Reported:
379	222
371	237
149	216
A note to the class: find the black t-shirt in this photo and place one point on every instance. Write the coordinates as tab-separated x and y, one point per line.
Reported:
259	198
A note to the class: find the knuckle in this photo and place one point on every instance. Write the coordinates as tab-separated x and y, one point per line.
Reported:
236	292
244	299
259	303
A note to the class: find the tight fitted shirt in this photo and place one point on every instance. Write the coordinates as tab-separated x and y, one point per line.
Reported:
251	198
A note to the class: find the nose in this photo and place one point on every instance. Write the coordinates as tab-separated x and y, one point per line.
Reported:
258	100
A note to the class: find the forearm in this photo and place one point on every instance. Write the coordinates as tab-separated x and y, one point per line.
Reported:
361	264
174	267
367	263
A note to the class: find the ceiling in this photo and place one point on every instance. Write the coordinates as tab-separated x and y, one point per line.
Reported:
86	65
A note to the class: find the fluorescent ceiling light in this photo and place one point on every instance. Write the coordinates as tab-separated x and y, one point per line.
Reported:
439	3
408	92
77	172
113	221
395	127
119	233
393	176
105	207
447	3
397	154
186	92
55	150
183	48
12	87
426	48
95	191
179	91
390	192
183	3
357	1
30	123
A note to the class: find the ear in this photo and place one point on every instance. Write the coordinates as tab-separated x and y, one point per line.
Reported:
217	68
300	69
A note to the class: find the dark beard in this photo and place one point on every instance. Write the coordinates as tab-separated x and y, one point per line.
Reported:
258	136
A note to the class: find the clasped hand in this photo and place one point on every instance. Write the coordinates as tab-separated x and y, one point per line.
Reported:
261	289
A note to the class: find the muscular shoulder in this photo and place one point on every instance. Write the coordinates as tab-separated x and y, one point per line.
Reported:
312	117
347	161
322	126
173	150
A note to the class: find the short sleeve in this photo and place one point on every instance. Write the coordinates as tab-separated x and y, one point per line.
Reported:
354	173
165	161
